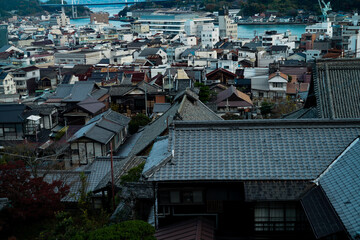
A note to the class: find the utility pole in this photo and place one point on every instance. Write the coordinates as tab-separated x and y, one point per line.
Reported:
112	175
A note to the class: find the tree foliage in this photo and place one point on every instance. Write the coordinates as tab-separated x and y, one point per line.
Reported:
138	121
128	230
266	107
134	174
31	197
204	94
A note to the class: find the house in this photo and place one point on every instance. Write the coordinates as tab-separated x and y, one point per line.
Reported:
7	84
279	50
19	122
153	52
81	112
233	100
277	84
220	75
97	136
196	175
131	98
12	125
26	79
67	96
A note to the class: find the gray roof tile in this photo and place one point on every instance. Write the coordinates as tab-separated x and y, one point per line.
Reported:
255	150
341	184
337	84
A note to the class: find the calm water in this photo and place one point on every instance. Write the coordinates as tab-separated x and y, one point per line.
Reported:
244	31
248	31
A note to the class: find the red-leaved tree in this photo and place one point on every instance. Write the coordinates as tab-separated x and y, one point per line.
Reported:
31	197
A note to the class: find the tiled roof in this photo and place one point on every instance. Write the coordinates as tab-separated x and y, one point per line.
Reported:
275	190
195	229
121	167
284	76
293	88
221	70
102	127
255	149
91	105
320	214
12	113
232	91
341	184
337	84
161	107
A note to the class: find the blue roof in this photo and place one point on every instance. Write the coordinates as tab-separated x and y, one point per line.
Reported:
341	184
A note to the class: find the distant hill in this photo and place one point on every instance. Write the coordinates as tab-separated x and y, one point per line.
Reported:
29	7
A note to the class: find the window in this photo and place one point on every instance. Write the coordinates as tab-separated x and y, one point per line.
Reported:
178	197
277	85
275	216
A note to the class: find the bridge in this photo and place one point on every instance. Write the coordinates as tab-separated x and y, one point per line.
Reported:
77	3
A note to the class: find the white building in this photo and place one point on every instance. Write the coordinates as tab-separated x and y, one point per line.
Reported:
25	79
227	28
59	19
270	38
321	28
187	40
174	23
209	36
7	83
79	57
351	41
195	26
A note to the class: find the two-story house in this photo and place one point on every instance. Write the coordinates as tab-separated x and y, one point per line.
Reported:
97	136
26	79
7	84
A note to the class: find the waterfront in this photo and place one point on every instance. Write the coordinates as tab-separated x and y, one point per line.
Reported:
249	31
244	31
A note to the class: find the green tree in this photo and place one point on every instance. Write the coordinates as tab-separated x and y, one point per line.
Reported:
138	121
128	230
204	94
133	175
266	107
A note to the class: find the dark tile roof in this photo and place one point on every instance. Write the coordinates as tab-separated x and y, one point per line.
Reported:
337	84
302	113
320	214
255	149
80	91
121	167
102	128
232	94
161	107
341	184
120	90
91	105
12	113
275	190
149	51
195	229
